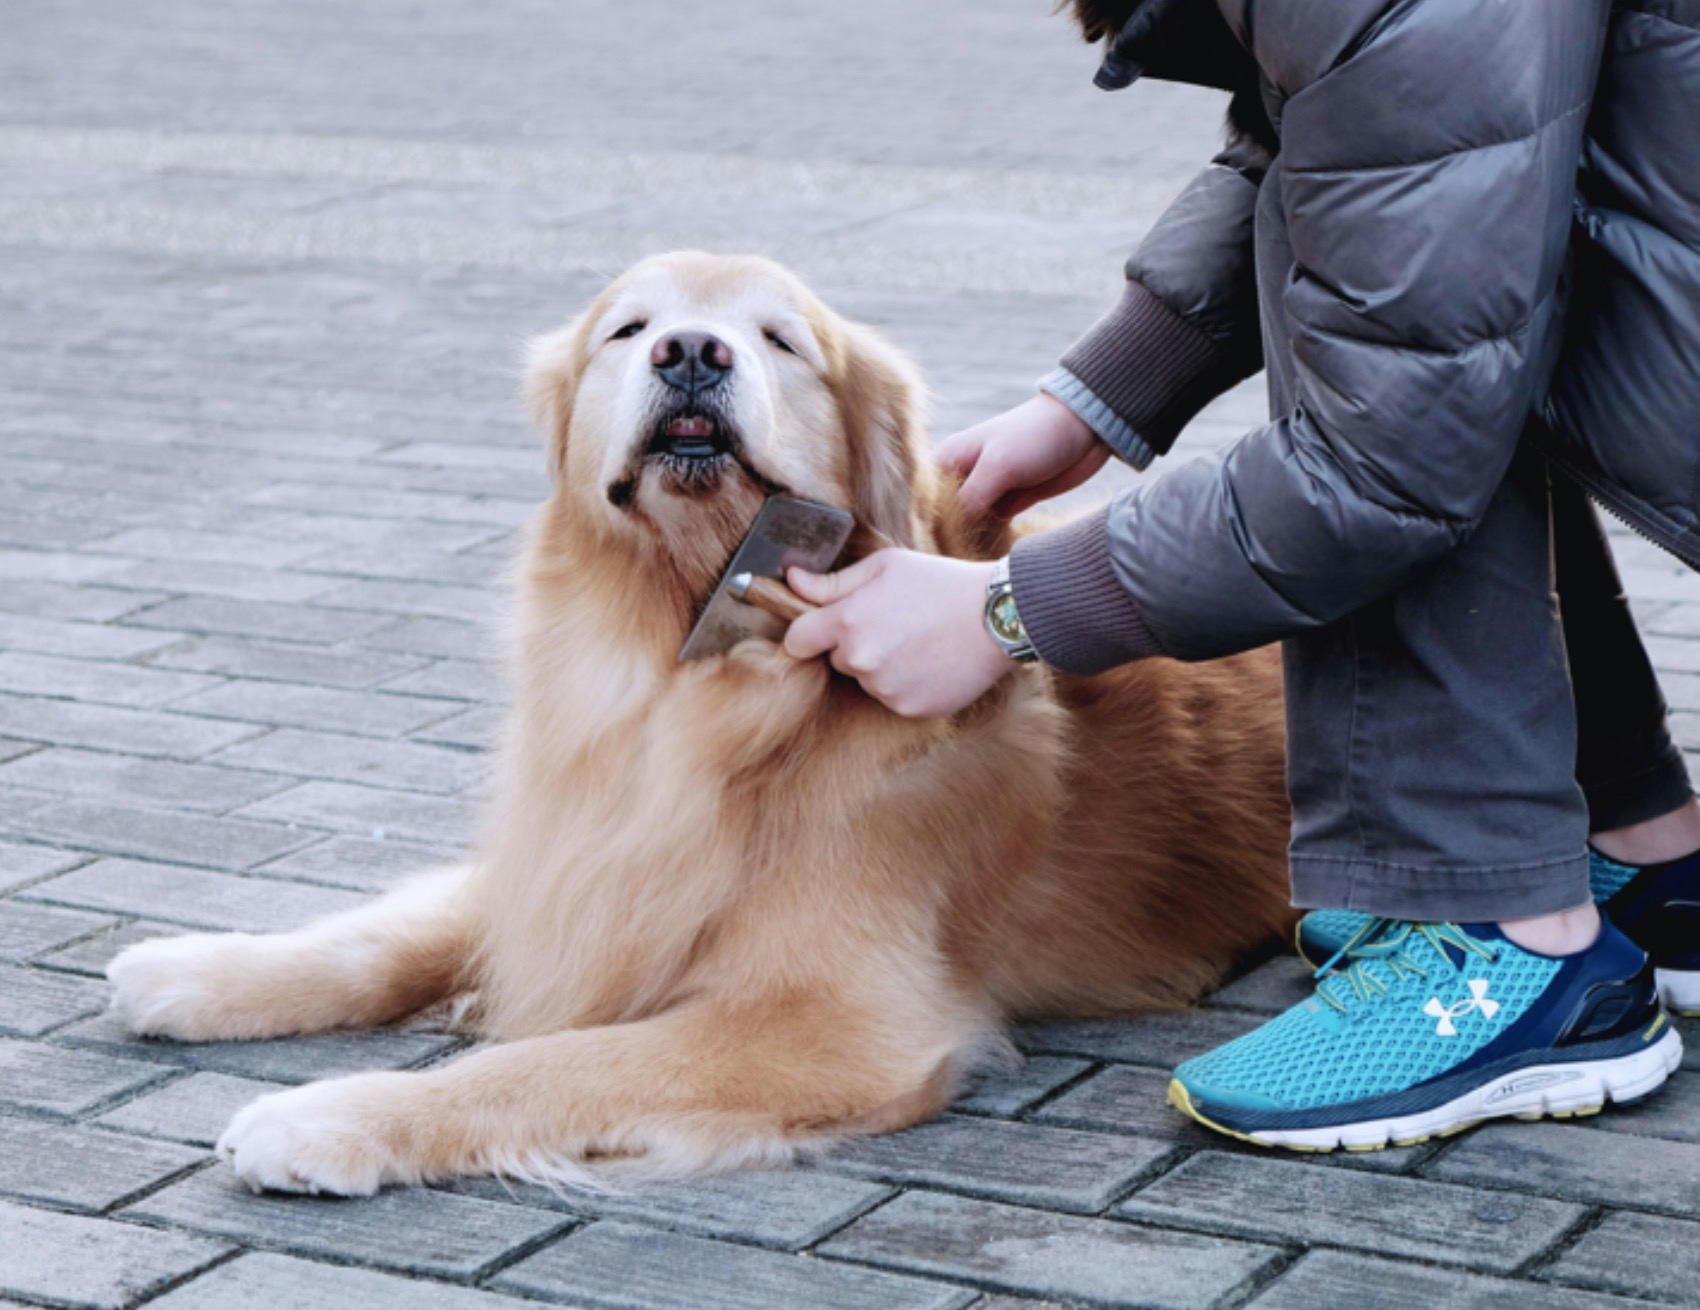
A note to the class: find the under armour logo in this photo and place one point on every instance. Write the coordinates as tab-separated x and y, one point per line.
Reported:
1478	1000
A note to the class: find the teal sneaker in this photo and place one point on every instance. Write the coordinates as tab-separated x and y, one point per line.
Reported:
1428	1029
1323	934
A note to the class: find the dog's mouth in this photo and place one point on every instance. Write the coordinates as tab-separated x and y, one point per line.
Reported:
691	442
689	452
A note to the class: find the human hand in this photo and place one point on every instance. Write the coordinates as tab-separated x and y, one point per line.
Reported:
1025	455
909	627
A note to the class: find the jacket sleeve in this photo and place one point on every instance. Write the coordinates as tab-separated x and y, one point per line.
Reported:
1426	177
1185	328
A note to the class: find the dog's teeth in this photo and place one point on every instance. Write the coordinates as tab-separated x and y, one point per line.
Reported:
690	427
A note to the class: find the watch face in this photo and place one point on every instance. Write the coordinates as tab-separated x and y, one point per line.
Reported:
1005	621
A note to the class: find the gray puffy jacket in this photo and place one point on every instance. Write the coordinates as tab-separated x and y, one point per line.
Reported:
1481	221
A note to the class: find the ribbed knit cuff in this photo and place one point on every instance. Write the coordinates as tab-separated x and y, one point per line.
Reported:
1150	366
1098	416
1072	603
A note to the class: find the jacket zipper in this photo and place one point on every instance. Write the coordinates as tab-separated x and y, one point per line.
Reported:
1609	499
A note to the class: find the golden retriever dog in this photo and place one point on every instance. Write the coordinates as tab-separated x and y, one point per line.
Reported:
726	910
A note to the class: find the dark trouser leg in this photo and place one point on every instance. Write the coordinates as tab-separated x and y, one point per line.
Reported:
1629	768
1432	737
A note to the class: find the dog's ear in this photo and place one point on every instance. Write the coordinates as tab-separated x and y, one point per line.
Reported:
553	363
881	402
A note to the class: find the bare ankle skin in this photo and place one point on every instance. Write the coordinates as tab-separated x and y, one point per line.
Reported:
1668	837
1563	933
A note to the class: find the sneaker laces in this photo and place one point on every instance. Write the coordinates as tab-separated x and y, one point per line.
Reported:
1388	943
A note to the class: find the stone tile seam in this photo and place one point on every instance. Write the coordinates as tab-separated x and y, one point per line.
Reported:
252	1242
36	959
1205	1228
167	1076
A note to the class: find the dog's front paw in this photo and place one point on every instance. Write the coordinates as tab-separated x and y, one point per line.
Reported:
320	1138
171	987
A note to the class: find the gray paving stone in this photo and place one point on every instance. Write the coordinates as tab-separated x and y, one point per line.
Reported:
66	1260
11	750
476	729
460	679
83	640
1674	1114
54	565
194	1110
1334	1278
83	1168
371	812
404	765
1560	1160
29	930
160	834
197	898
54	1080
440	638
92	955
1284	1201
434	600
1165	1040
223	581
108	728
1274	986
94	680
1007	1095
1050	1256
56	600
356	863
375	714
20	864
205	547
254	618
787	1209
408	1229
1025	1163
280	1282
149	782
1637	1255
33	1001
620	1266
280	1060
239	657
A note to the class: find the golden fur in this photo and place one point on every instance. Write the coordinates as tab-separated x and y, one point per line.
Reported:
725	910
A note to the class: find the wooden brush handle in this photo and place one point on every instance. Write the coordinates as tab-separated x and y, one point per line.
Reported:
771	595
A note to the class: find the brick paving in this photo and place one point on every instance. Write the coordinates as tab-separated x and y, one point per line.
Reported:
263	272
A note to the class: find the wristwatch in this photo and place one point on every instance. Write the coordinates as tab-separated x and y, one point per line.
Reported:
1002	619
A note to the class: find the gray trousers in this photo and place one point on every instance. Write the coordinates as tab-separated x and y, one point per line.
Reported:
1451	746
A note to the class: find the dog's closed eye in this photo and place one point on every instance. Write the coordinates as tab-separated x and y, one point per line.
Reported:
774	339
630	330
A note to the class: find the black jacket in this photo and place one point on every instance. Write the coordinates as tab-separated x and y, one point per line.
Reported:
1451	209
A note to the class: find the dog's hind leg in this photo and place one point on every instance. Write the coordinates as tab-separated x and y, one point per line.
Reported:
690	1091
405	950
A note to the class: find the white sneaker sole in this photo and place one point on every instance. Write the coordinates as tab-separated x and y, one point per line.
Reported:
1679	990
1561	1090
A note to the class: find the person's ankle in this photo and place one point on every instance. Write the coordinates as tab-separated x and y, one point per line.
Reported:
1563	933
1668	837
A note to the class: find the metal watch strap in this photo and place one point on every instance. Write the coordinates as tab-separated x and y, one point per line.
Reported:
1003	621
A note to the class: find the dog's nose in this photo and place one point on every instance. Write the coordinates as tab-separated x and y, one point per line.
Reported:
691	361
